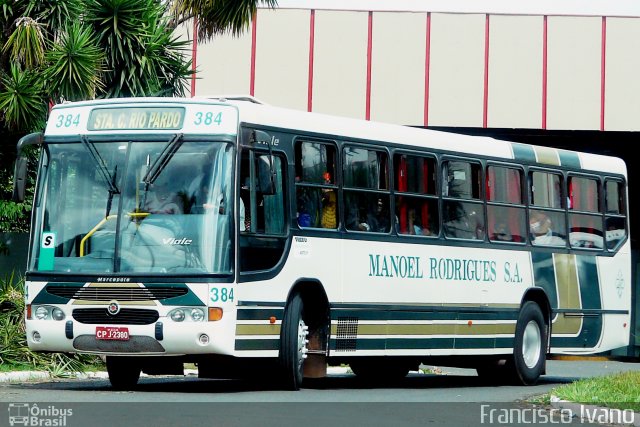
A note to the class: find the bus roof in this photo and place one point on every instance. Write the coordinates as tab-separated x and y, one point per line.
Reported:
252	111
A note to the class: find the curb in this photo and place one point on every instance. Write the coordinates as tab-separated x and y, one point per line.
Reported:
597	414
26	376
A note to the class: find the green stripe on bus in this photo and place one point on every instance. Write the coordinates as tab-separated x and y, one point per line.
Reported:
260	313
420	344
569	159
523	152
269	344
544	275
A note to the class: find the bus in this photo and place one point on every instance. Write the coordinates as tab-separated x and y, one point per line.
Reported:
233	234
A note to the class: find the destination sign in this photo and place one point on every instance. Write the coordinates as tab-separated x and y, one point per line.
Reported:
136	118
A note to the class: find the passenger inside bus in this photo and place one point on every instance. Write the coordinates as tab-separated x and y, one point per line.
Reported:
501	233
541	229
414	226
161	200
377	218
329	205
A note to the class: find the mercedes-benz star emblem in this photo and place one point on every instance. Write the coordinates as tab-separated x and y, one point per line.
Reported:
113	308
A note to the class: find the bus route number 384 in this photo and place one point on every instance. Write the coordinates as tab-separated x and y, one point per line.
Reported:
218	295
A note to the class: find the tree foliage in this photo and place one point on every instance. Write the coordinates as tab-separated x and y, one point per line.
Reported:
67	50
216	17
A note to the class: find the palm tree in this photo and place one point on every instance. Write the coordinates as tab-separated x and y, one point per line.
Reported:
54	50
216	17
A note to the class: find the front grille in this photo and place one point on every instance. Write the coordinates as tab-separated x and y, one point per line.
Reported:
91	293
126	316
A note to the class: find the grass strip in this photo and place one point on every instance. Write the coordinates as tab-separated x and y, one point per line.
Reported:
618	391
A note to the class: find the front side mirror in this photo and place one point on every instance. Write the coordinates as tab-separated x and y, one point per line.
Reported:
259	136
19	179
20	171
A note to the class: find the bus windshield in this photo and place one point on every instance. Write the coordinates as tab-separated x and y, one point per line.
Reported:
134	207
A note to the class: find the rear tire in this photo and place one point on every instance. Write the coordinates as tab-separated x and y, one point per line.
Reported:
124	372
293	344
529	352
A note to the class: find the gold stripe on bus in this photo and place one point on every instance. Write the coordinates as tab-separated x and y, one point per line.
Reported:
547	155
432	329
568	294
254	329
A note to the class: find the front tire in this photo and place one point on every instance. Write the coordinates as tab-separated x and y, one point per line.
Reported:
293	344
529	352
124	372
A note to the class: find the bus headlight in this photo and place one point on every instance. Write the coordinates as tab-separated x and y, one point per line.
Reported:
188	314
57	314
42	313
177	315
46	312
197	315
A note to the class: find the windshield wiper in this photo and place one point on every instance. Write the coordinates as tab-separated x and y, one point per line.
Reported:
159	164
109	180
163	159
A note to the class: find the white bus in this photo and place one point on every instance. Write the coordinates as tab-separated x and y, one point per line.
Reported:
231	234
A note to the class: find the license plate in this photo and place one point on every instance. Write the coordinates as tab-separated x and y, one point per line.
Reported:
112	333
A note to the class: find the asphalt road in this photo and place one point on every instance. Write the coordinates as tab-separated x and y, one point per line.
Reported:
456	397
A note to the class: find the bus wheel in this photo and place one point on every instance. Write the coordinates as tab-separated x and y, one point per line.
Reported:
124	372
529	350
293	344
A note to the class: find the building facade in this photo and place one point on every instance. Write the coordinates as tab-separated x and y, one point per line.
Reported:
562	65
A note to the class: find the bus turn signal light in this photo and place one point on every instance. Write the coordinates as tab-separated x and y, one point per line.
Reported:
215	313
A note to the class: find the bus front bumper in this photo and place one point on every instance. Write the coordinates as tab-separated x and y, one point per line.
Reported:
163	337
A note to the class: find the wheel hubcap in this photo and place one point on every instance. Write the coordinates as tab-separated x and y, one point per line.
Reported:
531	344
303	332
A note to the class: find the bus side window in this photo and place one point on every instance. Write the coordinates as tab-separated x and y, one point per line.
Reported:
463	212
506	221
615	214
546	214
366	190
262	240
416	198
316	190
585	217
